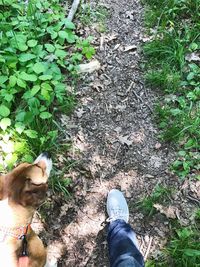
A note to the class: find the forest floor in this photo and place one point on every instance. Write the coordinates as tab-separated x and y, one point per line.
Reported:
115	145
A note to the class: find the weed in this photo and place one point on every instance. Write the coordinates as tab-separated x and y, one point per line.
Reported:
160	194
37	45
171	66
94	15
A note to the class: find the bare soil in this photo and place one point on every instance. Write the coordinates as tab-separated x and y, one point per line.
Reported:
115	145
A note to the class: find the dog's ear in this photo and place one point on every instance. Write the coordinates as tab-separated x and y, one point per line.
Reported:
27	186
33	195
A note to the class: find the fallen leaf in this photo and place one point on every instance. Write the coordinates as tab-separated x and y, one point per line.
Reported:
124	140
157	145
169	212
192	57
130	47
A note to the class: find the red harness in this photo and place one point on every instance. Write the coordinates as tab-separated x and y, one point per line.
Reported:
19	234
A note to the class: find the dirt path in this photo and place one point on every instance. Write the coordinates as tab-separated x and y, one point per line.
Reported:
116	145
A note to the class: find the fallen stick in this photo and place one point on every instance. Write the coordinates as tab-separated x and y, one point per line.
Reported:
148	248
89	67
73	9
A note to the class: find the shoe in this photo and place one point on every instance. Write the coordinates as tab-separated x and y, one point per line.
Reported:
117	207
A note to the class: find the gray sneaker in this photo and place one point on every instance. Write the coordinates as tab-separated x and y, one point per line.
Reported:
117	207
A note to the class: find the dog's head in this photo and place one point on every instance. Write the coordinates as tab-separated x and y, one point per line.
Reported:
26	185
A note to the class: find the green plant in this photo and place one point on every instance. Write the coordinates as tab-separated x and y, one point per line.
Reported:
171	55
94	15
39	51
159	194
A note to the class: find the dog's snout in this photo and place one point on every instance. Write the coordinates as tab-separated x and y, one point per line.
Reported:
46	154
45	159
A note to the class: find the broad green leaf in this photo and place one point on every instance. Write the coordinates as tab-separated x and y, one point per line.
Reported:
4	111
4	123
32	43
46	86
45	77
3	79
45	94
31	133
50	48
190	76
45	115
35	90
39	67
21	83
63	34
11	159
19	127
12	80
68	24
26	57
60	53
22	47
28	77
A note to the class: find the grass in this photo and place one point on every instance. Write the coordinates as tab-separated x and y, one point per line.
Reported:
172	67
89	15
160	194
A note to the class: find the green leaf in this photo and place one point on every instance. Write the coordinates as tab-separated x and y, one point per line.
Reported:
4	123
3	79
26	57
191	252
68	24
45	77
31	133
28	77
39	67
45	115
4	111
190	76
19	127
63	34
21	83
50	48
22	47
60	53
35	90
32	43
11	159
12	80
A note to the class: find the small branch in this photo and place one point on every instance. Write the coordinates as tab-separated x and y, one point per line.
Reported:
73	9
148	248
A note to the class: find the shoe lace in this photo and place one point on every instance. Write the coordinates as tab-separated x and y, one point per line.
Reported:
117	213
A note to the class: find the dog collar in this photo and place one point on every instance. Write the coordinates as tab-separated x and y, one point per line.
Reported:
17	233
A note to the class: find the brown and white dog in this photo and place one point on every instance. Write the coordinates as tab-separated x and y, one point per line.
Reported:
21	192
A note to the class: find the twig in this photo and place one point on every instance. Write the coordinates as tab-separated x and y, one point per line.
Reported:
137	96
148	248
73	9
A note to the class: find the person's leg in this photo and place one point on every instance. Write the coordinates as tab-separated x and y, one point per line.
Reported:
122	242
122	245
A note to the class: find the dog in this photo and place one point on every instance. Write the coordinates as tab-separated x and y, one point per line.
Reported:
21	191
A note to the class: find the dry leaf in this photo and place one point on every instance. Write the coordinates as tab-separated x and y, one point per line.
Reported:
124	140
89	67
157	145
130	47
192	57
170	212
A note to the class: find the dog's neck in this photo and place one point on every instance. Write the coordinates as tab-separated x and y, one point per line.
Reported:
13	215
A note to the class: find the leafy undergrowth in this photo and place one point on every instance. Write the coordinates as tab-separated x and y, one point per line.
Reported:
173	57
173	66
39	54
